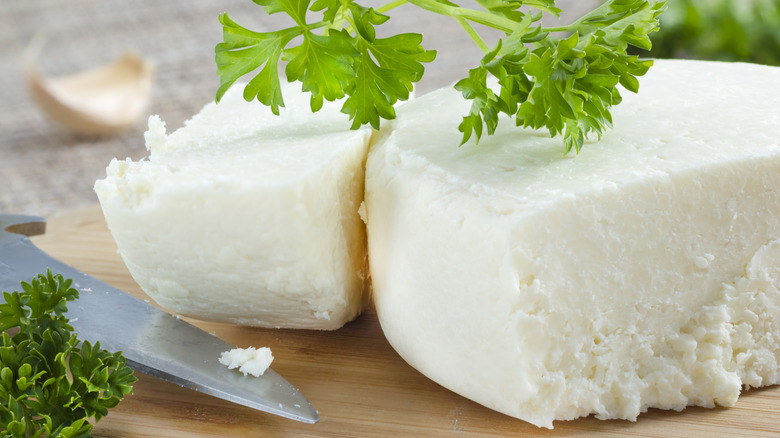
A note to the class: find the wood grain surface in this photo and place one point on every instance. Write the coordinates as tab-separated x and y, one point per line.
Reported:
359	385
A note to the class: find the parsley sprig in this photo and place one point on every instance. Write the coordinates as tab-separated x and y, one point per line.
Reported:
51	384
566	84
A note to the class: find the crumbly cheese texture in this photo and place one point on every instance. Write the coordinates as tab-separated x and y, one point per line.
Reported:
254	361
643	272
241	216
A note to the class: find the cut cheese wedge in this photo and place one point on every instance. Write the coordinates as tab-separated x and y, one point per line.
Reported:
642	273
245	217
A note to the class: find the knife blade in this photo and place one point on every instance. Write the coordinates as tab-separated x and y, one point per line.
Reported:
153	341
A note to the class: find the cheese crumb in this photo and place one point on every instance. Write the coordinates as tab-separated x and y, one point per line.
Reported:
248	360
362	213
155	137
703	262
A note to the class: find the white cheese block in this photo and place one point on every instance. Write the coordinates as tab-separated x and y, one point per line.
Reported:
642	273
254	361
245	217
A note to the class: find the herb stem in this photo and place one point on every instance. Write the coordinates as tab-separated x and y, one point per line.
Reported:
473	34
578	23
566	28
482	17
338	22
392	5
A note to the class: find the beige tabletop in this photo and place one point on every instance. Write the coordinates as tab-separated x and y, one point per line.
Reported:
46	170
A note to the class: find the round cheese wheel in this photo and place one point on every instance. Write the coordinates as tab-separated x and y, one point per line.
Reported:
640	273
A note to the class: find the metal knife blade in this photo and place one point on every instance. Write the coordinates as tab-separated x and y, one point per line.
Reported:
152	341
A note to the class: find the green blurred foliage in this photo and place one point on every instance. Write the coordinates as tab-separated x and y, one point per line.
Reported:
723	30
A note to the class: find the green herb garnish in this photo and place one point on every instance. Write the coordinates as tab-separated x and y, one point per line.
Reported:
564	83
49	384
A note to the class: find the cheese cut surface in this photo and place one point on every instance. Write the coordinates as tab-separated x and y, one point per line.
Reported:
245	217
642	273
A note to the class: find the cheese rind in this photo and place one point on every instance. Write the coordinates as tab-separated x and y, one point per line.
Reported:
640	273
245	217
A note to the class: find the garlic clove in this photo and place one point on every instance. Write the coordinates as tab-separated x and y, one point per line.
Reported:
100	101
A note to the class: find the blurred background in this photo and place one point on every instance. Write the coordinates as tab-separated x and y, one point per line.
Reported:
46	169
721	30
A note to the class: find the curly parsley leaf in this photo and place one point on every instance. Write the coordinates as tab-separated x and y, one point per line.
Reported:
244	51
373	73
51	384
566	84
380	84
318	63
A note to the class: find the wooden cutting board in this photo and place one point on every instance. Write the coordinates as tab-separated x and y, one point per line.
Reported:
359	385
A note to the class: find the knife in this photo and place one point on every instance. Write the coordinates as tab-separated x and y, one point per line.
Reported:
152	341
